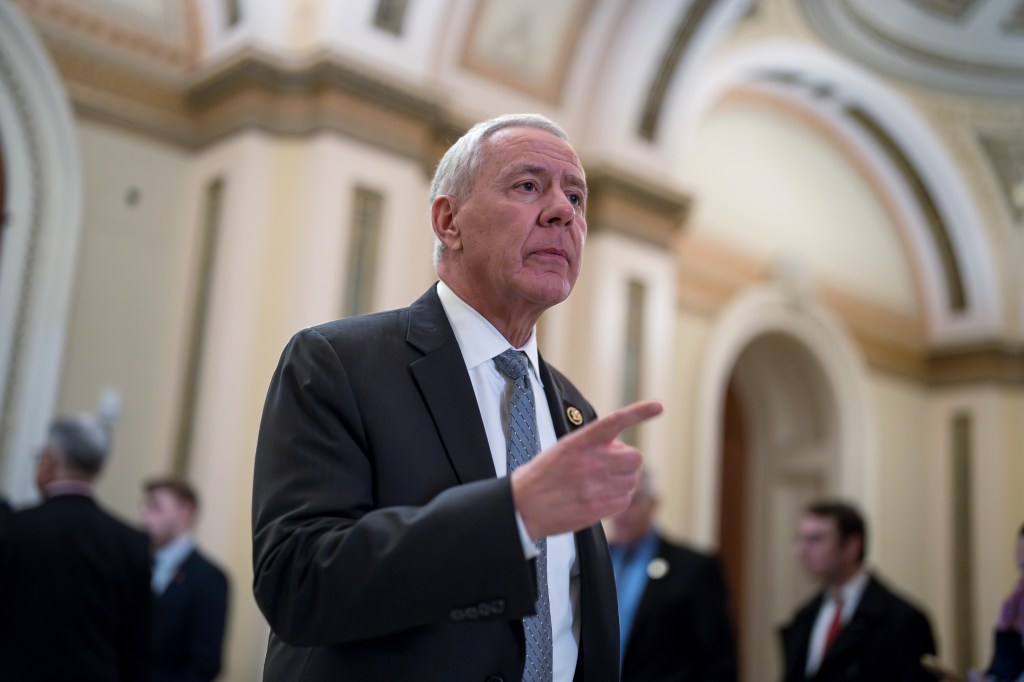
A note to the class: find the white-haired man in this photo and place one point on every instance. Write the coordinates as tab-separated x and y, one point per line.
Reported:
428	491
77	602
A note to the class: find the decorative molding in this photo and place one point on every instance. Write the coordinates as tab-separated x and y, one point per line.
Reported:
1015	22
846	25
1006	154
946	9
323	92
691	21
635	207
76	20
993	362
252	89
547	42
712	275
956	293
45	223
11	384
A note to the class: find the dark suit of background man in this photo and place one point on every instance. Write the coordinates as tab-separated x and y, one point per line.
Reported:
191	591
76	602
855	629
673	611
389	543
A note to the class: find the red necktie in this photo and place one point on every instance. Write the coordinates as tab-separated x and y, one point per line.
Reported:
834	627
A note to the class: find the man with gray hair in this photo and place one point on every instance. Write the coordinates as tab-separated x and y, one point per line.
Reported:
428	491
77	599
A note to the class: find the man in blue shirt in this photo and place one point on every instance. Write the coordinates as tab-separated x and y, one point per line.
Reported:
673	613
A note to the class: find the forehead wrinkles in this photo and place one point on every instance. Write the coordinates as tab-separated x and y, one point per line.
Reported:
529	149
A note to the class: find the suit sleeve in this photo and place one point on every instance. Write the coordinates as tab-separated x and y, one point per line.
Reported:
714	631
204	629
919	641
329	565
138	621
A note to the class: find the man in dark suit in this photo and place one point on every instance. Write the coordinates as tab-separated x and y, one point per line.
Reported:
191	591
673	610
77	601
390	541
855	629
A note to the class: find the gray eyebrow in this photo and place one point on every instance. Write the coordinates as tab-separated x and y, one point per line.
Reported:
571	179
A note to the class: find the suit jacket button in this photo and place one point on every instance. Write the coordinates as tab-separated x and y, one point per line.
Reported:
457	614
498	607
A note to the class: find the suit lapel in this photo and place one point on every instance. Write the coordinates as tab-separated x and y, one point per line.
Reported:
868	610
796	638
558	406
599	628
447	391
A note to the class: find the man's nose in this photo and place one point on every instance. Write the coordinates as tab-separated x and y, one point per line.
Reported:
558	209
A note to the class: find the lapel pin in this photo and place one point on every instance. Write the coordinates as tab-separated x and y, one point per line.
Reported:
574	415
657	569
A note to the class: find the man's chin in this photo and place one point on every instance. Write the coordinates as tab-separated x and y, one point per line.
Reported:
549	289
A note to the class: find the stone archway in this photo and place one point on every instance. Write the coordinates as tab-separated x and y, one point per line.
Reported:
897	144
801	391
40	242
789	420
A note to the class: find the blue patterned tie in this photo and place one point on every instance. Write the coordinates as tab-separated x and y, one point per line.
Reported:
523	444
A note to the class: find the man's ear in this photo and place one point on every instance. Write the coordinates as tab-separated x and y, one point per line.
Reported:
851	548
442	217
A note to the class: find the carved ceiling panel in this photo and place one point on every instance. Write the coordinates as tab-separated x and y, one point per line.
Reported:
525	45
966	46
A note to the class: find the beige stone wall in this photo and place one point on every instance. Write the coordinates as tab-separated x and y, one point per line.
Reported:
130	310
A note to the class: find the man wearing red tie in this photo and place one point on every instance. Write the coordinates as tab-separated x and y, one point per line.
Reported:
855	629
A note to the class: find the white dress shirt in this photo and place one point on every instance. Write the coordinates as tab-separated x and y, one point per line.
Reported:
167	559
850	593
480	342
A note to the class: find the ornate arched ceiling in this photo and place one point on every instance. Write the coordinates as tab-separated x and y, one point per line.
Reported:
974	47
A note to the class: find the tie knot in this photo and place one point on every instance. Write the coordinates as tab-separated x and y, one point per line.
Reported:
512	363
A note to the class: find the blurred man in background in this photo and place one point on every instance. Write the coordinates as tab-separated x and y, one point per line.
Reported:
191	591
673	610
77	600
855	628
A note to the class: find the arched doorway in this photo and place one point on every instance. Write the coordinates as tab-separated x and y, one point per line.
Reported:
782	419
779	452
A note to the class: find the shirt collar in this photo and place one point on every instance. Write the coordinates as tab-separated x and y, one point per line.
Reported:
175	551
478	339
852	589
68	486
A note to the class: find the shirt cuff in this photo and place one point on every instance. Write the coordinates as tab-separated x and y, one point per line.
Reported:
529	548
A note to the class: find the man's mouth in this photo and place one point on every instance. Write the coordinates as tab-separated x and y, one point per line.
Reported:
553	252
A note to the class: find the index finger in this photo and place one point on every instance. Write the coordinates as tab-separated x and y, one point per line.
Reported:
607	428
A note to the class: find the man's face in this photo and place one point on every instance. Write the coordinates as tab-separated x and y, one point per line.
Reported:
634	522
522	228
165	517
47	467
821	552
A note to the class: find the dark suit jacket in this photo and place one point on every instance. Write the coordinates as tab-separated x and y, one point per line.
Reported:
188	631
384	546
883	642
5	537
681	631
77	598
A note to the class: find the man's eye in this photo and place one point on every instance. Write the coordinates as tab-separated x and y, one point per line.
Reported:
529	186
576	199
